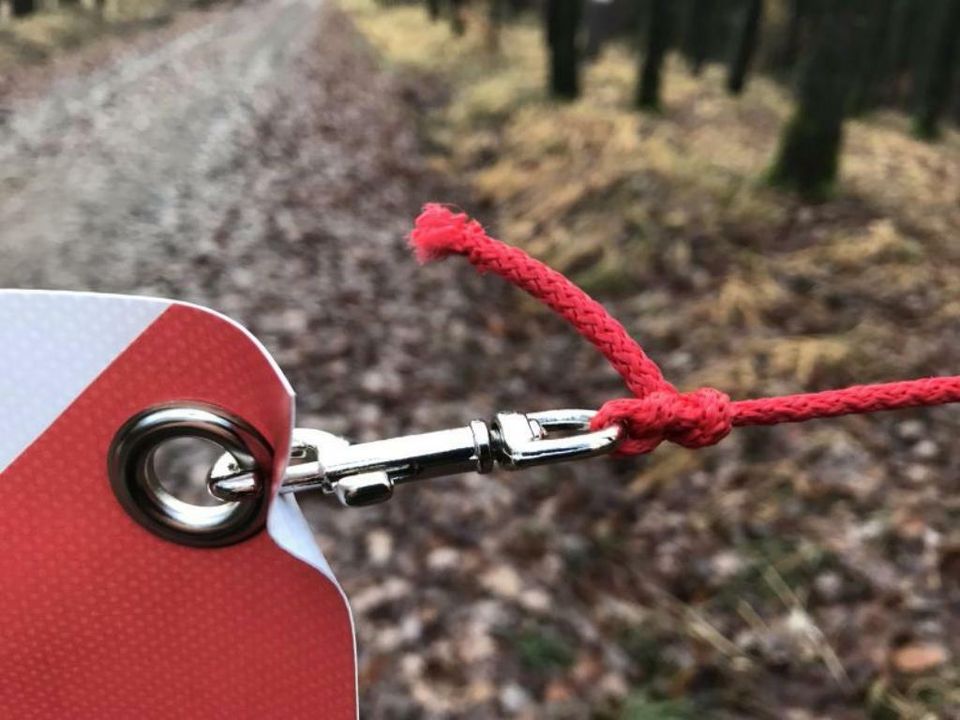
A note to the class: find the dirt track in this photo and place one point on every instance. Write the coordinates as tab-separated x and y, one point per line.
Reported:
110	165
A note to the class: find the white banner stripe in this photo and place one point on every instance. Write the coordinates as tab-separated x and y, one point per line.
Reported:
53	345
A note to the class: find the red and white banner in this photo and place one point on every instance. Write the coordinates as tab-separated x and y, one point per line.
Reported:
101	619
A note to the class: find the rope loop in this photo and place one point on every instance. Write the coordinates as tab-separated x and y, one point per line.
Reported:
658	412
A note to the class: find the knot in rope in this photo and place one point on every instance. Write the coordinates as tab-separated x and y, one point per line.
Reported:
694	419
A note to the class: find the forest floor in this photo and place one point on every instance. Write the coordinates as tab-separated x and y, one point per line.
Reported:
46	39
798	572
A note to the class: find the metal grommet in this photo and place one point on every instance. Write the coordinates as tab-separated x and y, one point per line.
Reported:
144	495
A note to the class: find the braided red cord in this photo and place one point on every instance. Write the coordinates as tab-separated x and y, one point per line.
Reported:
659	411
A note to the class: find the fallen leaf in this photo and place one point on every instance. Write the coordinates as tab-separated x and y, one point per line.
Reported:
919	657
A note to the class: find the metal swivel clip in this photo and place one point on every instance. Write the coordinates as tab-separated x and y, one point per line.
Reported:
234	497
366	473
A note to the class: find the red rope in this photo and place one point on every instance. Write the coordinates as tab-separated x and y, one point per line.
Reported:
658	411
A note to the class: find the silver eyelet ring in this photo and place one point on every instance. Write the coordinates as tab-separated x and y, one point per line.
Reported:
136	485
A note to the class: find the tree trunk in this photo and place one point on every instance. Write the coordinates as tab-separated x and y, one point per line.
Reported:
696	34
789	52
941	66
595	21
22	7
808	157
900	53
745	47
550	8
495	13
433	9
656	42
864	95
457	23
563	23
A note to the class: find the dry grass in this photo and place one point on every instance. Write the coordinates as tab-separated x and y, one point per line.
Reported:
47	34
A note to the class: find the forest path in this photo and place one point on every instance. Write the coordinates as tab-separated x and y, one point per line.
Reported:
141	150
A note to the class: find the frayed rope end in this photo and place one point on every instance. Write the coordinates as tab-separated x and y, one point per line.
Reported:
439	232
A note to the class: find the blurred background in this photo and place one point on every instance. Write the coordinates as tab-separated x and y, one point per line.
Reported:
765	192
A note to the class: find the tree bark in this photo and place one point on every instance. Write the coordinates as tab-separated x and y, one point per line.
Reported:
789	51
871	57
563	24
21	8
550	8
808	157
657	41
941	69
696	34
745	47
595	21
457	24
495	13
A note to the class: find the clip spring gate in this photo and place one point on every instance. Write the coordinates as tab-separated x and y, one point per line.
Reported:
367	473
